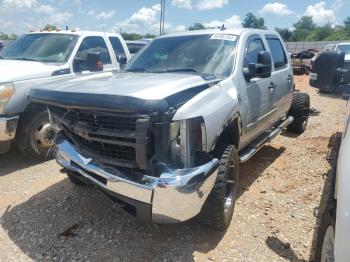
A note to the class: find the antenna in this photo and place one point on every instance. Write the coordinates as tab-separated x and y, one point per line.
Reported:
103	27
162	17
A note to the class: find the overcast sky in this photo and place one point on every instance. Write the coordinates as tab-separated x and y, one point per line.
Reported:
142	16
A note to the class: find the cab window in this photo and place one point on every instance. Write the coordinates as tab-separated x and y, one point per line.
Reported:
254	47
94	44
278	55
117	46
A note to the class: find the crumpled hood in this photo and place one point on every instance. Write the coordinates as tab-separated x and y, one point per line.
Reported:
16	70
147	86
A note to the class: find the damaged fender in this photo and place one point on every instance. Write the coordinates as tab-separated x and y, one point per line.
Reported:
217	105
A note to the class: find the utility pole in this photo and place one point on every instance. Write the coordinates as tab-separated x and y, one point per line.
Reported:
162	17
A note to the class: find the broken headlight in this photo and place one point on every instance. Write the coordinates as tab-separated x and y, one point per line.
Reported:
6	92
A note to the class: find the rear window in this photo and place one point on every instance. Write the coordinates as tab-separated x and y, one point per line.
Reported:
117	46
278	55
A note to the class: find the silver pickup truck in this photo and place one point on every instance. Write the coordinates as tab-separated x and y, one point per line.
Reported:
165	137
40	58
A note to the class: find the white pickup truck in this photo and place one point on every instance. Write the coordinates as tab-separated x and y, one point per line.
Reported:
43	57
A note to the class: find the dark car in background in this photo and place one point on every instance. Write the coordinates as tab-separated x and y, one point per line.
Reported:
136	45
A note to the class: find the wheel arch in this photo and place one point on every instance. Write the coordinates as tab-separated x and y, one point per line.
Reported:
232	131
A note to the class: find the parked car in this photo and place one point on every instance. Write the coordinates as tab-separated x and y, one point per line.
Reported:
334	230
341	47
344	48
136	45
41	57
330	72
302	61
165	137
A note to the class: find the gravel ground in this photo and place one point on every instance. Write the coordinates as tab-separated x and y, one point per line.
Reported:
44	217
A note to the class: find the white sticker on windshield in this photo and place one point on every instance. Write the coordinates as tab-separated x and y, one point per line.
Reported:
224	37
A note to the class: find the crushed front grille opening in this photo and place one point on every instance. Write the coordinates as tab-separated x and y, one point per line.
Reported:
105	149
110	137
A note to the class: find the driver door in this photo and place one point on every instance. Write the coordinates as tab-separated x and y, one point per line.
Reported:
258	102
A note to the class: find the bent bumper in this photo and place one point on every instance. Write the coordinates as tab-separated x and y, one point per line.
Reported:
8	126
177	195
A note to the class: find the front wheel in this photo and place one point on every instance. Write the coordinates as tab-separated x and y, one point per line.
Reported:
36	135
218	209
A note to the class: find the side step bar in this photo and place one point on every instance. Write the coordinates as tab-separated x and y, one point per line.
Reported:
257	145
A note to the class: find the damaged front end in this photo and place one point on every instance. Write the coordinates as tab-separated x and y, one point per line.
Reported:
158	169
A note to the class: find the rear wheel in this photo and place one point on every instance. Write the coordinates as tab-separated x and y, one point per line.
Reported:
326	235
300	111
218	208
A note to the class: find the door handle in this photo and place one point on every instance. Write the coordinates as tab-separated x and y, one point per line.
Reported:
272	85
289	77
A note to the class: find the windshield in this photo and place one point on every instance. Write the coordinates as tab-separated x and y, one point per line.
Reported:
211	55
344	49
51	48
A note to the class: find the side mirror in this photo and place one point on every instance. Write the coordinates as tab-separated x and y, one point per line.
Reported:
122	60
262	69
92	63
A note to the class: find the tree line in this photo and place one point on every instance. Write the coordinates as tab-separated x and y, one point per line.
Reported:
303	30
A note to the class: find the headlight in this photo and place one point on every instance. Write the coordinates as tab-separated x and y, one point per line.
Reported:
6	92
174	130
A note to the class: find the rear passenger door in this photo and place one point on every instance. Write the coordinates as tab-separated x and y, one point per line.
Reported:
282	77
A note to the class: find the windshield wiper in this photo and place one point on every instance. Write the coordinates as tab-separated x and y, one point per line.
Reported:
174	70
137	69
191	70
26	59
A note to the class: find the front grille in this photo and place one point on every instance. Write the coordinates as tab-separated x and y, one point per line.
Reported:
110	138
97	120
124	153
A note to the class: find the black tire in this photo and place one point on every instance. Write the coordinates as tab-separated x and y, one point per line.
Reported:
76	179
30	124
218	209
324	244
300	110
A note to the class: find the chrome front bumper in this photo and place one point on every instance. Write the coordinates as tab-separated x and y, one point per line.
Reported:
177	195
8	126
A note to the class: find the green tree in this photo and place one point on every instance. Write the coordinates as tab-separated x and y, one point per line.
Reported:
320	33
134	36
149	36
49	27
347	26
303	28
252	21
196	26
285	33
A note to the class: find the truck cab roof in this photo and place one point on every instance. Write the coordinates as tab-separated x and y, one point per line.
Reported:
79	33
237	32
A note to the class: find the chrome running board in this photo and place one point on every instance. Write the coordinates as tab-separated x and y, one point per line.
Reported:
251	150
